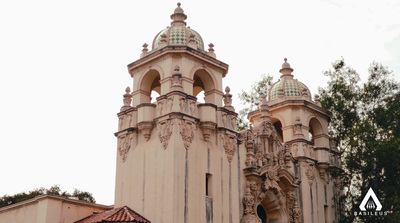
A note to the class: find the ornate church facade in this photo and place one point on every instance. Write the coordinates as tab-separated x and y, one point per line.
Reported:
180	160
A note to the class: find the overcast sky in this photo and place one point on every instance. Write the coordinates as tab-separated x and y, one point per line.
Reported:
63	69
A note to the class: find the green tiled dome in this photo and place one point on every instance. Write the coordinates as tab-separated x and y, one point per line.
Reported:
288	86
293	88
178	33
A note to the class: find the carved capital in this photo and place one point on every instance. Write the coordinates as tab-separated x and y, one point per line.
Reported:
207	128
145	128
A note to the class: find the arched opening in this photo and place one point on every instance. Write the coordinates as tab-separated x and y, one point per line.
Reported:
154	95
315	131
200	97
262	214
271	208
311	134
278	127
150	86
203	84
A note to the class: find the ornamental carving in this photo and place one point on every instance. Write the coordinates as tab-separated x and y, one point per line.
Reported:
292	206
192	107
170	102
224	119
187	132
124	145
182	103
229	144
249	143
164	132
310	174
271	181
248	200
160	107
295	149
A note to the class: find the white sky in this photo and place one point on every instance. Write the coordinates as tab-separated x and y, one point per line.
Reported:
63	69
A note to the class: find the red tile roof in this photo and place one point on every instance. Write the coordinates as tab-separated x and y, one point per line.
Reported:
122	214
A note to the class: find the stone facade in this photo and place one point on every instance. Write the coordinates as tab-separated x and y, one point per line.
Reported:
184	161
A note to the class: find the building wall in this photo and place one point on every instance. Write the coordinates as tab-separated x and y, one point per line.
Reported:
49	209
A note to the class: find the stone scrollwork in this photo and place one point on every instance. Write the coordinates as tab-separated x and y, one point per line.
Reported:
229	144
294	212
272	179
164	132
310	174
249	201
249	143
124	145
187	128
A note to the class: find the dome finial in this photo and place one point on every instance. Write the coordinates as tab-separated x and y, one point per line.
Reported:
178	16
286	69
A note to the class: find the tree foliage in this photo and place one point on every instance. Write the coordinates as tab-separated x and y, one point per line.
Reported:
54	190
251	100
365	117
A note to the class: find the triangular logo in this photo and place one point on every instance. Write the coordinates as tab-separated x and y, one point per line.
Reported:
370	194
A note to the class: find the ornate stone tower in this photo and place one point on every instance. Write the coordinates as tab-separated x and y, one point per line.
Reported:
177	158
288	156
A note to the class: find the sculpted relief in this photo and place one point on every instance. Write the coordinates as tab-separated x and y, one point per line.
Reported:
187	128
124	145
229	144
164	132
267	162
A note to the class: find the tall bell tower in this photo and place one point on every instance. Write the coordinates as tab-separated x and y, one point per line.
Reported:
177	158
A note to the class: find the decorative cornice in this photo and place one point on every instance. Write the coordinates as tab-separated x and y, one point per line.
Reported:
178	49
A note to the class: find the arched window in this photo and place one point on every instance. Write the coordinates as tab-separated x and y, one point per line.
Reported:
278	126
150	87
315	131
203	84
262	214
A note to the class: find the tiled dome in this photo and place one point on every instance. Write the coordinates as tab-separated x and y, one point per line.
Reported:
287	86
178	33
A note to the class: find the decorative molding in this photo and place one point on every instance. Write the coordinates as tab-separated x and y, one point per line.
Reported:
124	145
207	128
170	102
164	132
145	128
249	144
310	174
229	144
187	131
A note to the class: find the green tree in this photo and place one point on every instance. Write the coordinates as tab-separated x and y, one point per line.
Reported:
54	190
251	100
365	118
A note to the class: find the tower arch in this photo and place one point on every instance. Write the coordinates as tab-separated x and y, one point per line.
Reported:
148	82
278	122
204	80
316	131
